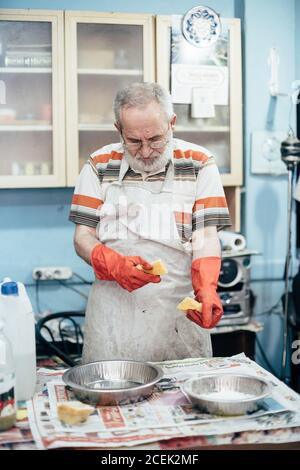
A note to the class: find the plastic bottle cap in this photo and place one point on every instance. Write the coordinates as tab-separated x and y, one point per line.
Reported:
9	288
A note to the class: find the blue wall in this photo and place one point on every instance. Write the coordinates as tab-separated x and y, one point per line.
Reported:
268	23
34	230
297	36
266	196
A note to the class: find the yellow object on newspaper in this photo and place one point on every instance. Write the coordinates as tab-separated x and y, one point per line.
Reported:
73	412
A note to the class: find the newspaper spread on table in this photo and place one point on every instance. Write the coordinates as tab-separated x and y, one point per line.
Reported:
166	414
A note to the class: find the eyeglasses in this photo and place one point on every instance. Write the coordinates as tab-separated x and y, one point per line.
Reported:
156	144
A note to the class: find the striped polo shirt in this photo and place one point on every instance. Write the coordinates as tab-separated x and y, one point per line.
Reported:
197	186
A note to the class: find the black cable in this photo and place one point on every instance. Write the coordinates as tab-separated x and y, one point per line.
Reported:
82	278
265	357
270	312
72	288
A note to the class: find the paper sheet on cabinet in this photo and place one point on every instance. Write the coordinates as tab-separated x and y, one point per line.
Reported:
210	78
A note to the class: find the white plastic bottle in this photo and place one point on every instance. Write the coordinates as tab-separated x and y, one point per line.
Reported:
7	383
19	328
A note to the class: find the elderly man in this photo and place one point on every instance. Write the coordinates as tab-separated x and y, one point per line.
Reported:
149	197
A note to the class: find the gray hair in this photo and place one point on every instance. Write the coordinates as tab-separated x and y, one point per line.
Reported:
139	95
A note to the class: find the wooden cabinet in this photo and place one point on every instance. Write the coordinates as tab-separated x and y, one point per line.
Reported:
32	134
59	73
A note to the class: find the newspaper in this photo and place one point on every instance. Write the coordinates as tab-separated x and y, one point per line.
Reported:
21	432
166	414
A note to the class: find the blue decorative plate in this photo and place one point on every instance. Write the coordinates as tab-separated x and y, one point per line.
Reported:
201	26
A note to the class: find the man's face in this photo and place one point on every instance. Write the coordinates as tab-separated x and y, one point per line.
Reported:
146	133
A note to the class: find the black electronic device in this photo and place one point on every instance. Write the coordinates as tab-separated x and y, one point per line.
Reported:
234	290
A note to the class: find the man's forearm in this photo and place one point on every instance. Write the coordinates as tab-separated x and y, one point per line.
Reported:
206	243
84	244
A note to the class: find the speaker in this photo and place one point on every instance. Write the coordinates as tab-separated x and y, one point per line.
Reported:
234	290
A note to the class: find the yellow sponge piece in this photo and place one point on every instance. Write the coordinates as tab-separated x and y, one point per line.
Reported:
158	268
73	412
189	303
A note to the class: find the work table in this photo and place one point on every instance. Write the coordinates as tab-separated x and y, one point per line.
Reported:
165	421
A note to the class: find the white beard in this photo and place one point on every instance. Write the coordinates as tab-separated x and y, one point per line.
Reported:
156	162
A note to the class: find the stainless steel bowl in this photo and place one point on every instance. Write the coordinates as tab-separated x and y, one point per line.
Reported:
226	394
112	382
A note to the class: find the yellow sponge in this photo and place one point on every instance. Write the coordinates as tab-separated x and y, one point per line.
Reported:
158	268
73	412
189	303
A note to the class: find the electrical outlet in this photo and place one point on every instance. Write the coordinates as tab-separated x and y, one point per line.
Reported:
52	273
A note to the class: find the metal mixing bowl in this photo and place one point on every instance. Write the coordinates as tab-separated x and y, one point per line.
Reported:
246	393
112	382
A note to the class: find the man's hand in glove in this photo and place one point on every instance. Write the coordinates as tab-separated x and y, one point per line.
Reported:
205	275
109	265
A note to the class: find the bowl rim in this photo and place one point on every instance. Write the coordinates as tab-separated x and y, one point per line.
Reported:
186	384
70	383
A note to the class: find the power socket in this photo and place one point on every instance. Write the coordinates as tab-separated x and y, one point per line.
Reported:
60	273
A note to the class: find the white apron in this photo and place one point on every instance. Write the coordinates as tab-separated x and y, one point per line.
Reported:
145	324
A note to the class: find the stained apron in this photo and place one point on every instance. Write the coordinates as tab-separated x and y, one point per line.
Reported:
145	324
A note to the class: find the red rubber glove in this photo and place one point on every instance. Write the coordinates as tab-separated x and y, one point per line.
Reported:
109	265
205	275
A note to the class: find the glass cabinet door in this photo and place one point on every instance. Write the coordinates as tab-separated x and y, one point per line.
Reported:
221	132
31	138
106	52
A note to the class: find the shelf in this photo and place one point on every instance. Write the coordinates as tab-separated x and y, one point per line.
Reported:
25	70
201	129
96	127
25	128
109	72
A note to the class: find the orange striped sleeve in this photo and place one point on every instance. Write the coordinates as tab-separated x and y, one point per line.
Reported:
86	201
195	155
209	202
105	157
